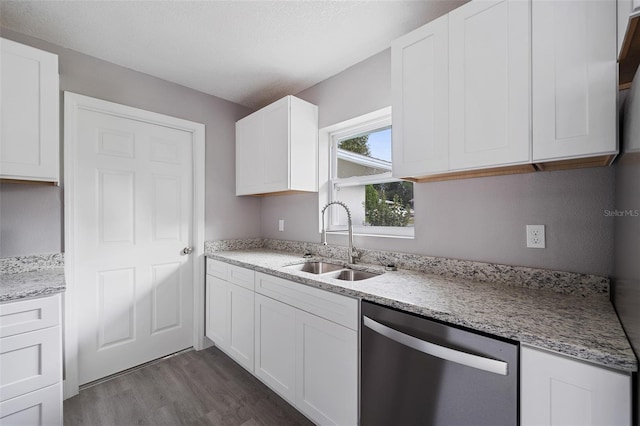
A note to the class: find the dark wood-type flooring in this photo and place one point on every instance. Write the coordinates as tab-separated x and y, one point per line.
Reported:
192	388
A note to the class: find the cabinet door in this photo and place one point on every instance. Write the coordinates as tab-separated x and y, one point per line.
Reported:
303	145
631	125
326	370
29	97
560	391
39	408
249	160
240	323
626	10
275	146
489	65
574	79
216	316
420	97
275	345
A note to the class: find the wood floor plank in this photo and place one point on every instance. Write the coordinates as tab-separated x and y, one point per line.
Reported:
193	388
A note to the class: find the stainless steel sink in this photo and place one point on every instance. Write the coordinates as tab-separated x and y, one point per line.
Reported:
351	275
317	267
333	270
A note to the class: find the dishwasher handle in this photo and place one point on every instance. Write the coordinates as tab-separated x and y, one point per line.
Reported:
447	354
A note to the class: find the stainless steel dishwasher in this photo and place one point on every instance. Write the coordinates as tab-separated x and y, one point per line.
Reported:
415	371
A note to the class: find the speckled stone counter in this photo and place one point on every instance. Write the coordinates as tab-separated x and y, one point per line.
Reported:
31	276
582	325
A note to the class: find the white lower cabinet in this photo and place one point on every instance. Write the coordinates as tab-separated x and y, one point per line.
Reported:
304	340
216	315
326	370
39	408
275	346
241	325
31	362
555	390
310	361
229	312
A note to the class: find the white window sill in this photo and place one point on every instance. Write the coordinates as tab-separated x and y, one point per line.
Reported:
373	234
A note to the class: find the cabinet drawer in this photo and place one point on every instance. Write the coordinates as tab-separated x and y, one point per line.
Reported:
241	276
28	315
42	407
334	307
234	274
30	361
217	268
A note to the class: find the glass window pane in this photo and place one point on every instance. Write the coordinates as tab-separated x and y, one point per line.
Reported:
389	204
384	204
384	208
364	155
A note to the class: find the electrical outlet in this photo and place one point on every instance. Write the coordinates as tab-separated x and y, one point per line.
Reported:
281	225
535	236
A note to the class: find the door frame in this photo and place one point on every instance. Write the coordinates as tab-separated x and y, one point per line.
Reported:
73	103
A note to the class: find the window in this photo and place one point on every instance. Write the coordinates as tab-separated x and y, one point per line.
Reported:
359	174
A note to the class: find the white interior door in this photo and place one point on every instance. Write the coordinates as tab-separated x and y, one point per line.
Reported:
133	217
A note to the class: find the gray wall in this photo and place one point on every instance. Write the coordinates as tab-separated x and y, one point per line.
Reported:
626	276
30	216
479	219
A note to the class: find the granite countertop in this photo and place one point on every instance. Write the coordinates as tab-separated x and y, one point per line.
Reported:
581	326
24	285
31	276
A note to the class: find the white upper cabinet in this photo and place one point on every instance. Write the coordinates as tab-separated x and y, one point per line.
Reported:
627	9
574	79
29	99
631	125
277	149
420	91
498	85
489	84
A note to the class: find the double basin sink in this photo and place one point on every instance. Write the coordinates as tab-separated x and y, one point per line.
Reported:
332	270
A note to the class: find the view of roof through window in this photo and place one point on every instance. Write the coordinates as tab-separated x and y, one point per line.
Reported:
363	180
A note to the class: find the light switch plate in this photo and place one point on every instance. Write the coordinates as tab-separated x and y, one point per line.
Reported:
281	225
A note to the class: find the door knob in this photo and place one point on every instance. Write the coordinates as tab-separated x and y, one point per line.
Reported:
187	250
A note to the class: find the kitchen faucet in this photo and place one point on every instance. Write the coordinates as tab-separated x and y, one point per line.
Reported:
353	252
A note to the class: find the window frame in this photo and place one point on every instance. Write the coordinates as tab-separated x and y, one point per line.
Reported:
330	183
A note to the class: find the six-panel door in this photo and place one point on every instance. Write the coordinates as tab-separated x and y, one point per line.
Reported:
135	286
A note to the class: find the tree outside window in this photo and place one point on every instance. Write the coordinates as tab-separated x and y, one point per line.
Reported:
387	203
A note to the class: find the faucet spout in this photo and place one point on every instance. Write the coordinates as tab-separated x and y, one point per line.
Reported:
353	252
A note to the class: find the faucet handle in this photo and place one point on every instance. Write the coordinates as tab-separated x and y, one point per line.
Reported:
355	253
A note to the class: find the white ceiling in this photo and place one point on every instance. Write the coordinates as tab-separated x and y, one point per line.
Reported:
248	52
